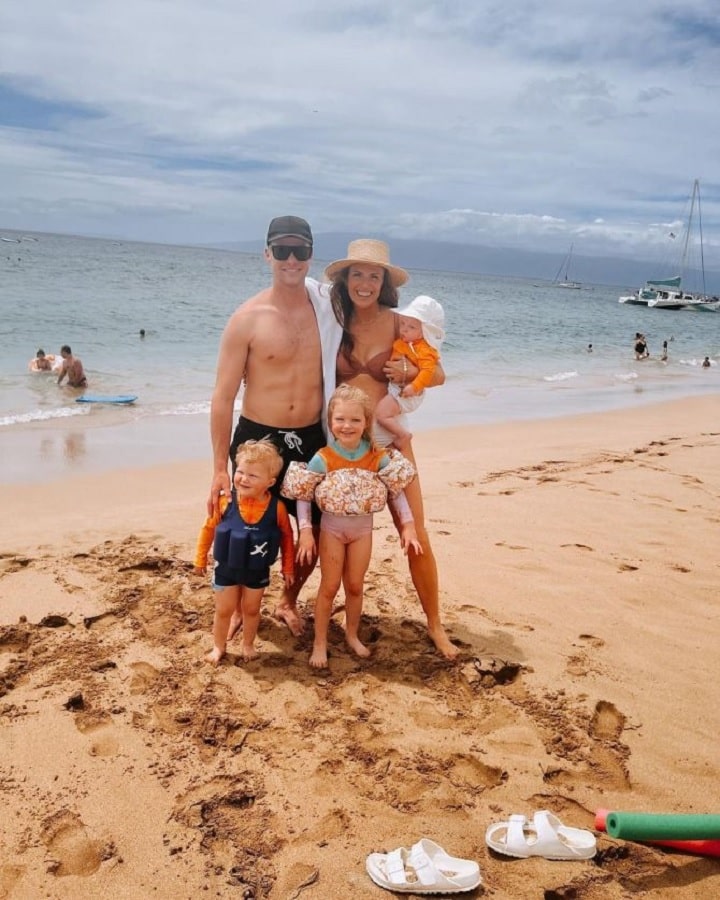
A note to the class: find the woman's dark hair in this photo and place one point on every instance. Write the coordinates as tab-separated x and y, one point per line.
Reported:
343	306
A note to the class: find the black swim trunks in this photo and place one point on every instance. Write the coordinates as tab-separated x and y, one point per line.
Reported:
294	445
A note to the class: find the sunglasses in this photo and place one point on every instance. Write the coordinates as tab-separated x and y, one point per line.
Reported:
282	252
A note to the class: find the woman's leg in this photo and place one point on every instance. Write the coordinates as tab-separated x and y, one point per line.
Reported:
332	561
423	569
357	560
251	600
226	599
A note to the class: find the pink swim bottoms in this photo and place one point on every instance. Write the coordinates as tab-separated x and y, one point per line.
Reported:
346	528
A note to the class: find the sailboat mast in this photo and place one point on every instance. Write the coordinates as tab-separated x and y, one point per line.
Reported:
689	227
702	252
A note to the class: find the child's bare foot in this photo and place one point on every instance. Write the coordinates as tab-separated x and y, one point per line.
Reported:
215	655
236	622
357	646
318	658
249	652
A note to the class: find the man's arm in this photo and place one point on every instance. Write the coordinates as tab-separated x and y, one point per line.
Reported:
232	359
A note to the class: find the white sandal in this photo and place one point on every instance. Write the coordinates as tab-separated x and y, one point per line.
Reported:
424	869
546	836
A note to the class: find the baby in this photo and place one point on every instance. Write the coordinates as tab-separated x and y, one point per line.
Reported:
422	331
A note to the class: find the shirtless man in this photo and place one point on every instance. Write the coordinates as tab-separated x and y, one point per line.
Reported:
272	344
72	367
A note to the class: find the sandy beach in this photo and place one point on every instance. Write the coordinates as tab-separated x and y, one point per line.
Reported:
579	576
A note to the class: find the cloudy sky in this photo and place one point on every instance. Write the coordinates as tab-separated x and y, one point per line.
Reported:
520	123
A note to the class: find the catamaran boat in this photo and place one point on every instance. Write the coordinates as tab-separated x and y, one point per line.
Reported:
647	295
668	293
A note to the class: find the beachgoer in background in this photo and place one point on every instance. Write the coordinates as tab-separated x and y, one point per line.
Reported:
421	325
246	533
72	367
41	362
142	332
364	293
589	348
345	477
664	355
706	363
272	343
641	348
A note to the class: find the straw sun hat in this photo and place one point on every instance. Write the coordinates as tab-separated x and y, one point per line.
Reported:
375	253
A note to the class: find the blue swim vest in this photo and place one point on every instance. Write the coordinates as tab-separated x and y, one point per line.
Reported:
243	547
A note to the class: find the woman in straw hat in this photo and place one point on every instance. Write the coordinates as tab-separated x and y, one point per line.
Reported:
364	293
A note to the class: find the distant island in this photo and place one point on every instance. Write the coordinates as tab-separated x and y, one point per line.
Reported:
440	256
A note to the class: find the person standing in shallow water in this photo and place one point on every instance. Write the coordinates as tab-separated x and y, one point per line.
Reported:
641	348
72	367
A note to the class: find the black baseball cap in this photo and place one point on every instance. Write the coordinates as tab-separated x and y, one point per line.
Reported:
289	226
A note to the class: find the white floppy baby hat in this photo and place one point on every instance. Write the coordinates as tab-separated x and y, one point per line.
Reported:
429	312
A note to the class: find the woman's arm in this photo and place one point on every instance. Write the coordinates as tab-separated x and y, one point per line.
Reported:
401	371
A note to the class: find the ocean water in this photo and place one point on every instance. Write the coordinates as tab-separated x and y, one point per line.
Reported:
515	349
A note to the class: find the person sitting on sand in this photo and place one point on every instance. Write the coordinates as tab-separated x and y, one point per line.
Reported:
349	480
72	367
421	327
41	362
246	533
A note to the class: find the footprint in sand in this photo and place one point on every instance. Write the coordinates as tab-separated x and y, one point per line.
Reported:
469	773
9	877
607	722
72	850
99	728
592	640
144	676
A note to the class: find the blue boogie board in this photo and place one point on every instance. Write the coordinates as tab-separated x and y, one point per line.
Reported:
106	398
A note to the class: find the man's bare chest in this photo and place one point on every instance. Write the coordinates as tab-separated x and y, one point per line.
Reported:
289	338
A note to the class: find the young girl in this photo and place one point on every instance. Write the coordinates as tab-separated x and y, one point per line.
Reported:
348	480
248	532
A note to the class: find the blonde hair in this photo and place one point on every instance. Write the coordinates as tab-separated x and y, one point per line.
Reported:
262	451
347	393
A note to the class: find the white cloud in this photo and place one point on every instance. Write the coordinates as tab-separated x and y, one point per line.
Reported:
522	123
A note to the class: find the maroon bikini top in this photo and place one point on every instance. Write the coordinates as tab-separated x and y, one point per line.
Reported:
347	367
